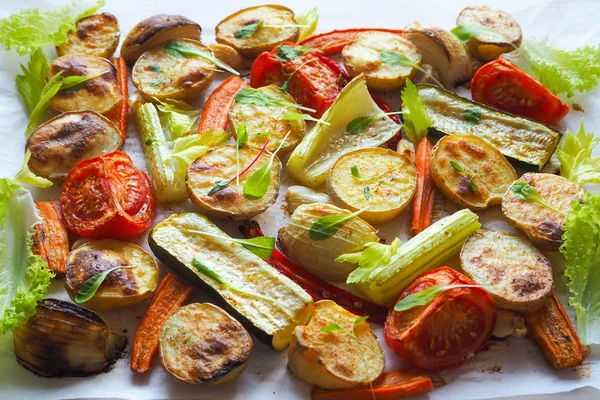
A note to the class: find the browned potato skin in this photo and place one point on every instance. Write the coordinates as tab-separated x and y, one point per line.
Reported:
67	139
101	94
97	35
475	155
228	55
542	225
154	31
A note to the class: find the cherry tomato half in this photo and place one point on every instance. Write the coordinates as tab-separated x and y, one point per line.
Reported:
447	331
107	197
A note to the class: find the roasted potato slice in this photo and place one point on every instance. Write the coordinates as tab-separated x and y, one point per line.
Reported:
381	179
228	55
230	202
155	31
543	225
517	275
373	53
266	122
163	76
280	28
97	35
333	360
489	46
122	287
101	94
61	143
203	344
471	171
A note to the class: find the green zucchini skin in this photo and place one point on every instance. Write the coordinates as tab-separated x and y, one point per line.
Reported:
494	127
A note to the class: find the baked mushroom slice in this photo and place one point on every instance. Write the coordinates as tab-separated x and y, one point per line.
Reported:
543	223
101	93
97	35
164	74
157	30
443	51
274	25
67	139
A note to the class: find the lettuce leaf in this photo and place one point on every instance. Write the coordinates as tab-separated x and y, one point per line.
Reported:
180	117
373	255
309	19
26	176
414	113
24	276
581	249
28	30
575	156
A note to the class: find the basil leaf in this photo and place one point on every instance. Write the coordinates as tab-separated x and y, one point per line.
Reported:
262	246
465	33
331	328
176	49
247	30
287	53
360	320
326	227
88	289
456	166
360	124
219	185
367	192
354	170
425	296
253	96
472	115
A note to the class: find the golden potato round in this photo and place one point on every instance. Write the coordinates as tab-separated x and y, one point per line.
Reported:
470	171
123	287
163	76
228	55
97	35
265	38
373	53
386	183
101	94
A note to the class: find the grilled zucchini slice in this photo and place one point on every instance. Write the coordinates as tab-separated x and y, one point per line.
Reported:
543	225
97	35
372	53
59	144
280	28
230	202
470	171
101	94
160	75
123	287
517	275
333	360
489	46
264	301
266	122
202	344
381	179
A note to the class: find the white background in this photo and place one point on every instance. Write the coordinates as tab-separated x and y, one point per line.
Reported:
506	368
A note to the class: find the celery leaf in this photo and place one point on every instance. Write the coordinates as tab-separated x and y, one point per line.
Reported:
414	112
575	156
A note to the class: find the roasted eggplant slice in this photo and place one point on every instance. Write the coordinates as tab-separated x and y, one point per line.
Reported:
63	339
67	139
203	344
97	35
157	30
100	94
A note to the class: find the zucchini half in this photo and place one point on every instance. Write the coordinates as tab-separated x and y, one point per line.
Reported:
278	304
519	139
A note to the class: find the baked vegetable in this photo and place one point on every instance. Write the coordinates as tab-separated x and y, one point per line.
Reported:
380	179
256	29
423	201
215	114
202	344
336	350
514	273
97	35
228	55
258	296
69	138
51	239
155	31
299	195
470	171
63	339
385	59
120	114
538	204
319	256
333	42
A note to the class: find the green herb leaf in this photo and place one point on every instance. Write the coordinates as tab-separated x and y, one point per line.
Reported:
253	96
156	68
26	176
287	53
416	120
472	115
468	32
308	23
157	82
391	57
299	117
331	328
326	227
149	142
473	185
181	117
38	115
88	289
177	49
425	296
360	320
355	173
525	191
262	134
258	184
575	155
33	80
367	192
262	246
219	185
360	124
373	255
242	136
456	166
247	30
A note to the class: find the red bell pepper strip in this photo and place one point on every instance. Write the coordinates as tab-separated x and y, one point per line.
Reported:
334	41
216	109
119	115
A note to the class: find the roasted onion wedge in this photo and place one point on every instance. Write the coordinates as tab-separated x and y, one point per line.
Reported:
63	339
97	35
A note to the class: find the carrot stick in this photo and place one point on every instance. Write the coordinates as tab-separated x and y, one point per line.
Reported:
390	385
553	331
51	239
169	296
119	115
334	41
422	205
217	106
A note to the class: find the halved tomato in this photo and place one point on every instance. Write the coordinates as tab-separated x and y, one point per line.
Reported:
107	197
447	331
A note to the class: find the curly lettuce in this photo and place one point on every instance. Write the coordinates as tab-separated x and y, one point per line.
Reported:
575	156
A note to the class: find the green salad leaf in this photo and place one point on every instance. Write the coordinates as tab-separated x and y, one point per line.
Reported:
425	296
414	112
327	226
258	184
88	289
287	53
399	59
253	96
26	176
180	116
247	30
373	255
308	21
178	49
299	117
575	155
526	192
262	246
468	32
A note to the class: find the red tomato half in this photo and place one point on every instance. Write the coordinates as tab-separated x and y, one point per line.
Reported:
447	331
107	197
502	85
